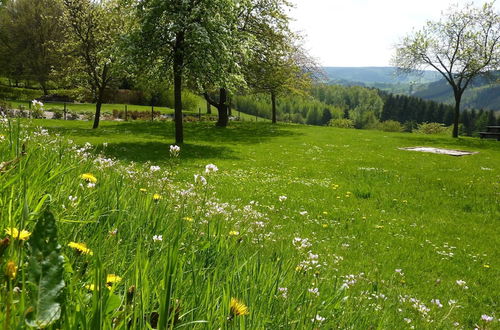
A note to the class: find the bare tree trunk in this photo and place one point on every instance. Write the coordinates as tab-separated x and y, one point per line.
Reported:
458	98
273	107
178	63
222	109
98	105
229	109
209	108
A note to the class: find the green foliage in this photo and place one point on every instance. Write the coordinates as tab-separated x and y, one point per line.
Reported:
233	237
45	273
461	46
390	126
341	123
31	35
431	128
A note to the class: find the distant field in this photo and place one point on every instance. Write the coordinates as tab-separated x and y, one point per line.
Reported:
309	227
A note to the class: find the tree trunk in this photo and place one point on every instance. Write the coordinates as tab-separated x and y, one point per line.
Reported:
222	109
44	88
273	107
229	110
209	108
458	98
98	106
178	63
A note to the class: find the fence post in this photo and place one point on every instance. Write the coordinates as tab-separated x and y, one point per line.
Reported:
199	113
126	114
65	111
152	112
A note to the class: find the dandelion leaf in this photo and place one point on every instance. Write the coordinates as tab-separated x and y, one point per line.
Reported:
45	274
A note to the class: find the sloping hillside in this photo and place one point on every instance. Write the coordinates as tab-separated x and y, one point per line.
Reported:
482	94
370	76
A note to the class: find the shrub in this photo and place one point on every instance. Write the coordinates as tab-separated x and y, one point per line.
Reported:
390	126
341	123
410	126
431	128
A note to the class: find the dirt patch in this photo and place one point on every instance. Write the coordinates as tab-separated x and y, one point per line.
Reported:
442	151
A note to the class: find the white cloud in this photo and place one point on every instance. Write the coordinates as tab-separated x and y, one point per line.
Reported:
361	32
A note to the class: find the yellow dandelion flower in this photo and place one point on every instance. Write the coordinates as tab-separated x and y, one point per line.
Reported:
112	278
234	233
325	213
143	190
379	227
88	177
91	287
486	266
238	308
80	247
11	270
157	197
15	233
325	225
188	219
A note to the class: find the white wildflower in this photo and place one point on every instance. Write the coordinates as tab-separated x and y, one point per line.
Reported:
211	168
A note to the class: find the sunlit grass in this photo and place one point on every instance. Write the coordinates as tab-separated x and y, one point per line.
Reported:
300	227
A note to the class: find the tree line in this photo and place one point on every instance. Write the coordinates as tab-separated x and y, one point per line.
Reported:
214	48
365	108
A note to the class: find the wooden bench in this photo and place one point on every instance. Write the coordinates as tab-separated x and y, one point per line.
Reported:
492	132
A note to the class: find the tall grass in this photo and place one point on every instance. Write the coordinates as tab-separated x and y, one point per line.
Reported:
349	255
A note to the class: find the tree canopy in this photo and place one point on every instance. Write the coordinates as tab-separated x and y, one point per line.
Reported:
462	45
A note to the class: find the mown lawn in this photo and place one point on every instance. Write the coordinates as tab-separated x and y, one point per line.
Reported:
310	227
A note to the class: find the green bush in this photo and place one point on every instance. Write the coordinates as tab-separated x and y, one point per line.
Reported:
432	128
390	126
341	123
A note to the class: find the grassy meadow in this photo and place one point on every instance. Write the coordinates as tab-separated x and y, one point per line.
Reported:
255	226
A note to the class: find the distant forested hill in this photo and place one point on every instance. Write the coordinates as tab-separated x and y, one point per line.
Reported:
482	94
371	76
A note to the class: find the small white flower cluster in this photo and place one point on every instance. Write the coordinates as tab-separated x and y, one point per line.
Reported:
487	318
200	179
282	198
42	132
104	162
283	292
158	238
310	262
462	284
83	151
314	291
211	168
154	168
437	303
301	243
175	150
37	104
318	318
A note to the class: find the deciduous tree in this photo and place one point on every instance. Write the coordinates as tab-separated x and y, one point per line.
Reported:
94	29
30	35
462	45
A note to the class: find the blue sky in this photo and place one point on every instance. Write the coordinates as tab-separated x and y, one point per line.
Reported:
361	32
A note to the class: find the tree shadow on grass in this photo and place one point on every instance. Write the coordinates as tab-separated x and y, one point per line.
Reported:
413	140
159	151
242	133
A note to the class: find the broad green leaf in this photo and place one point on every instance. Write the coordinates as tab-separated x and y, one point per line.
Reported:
45	274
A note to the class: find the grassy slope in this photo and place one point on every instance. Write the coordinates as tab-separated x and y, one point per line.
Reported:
371	209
